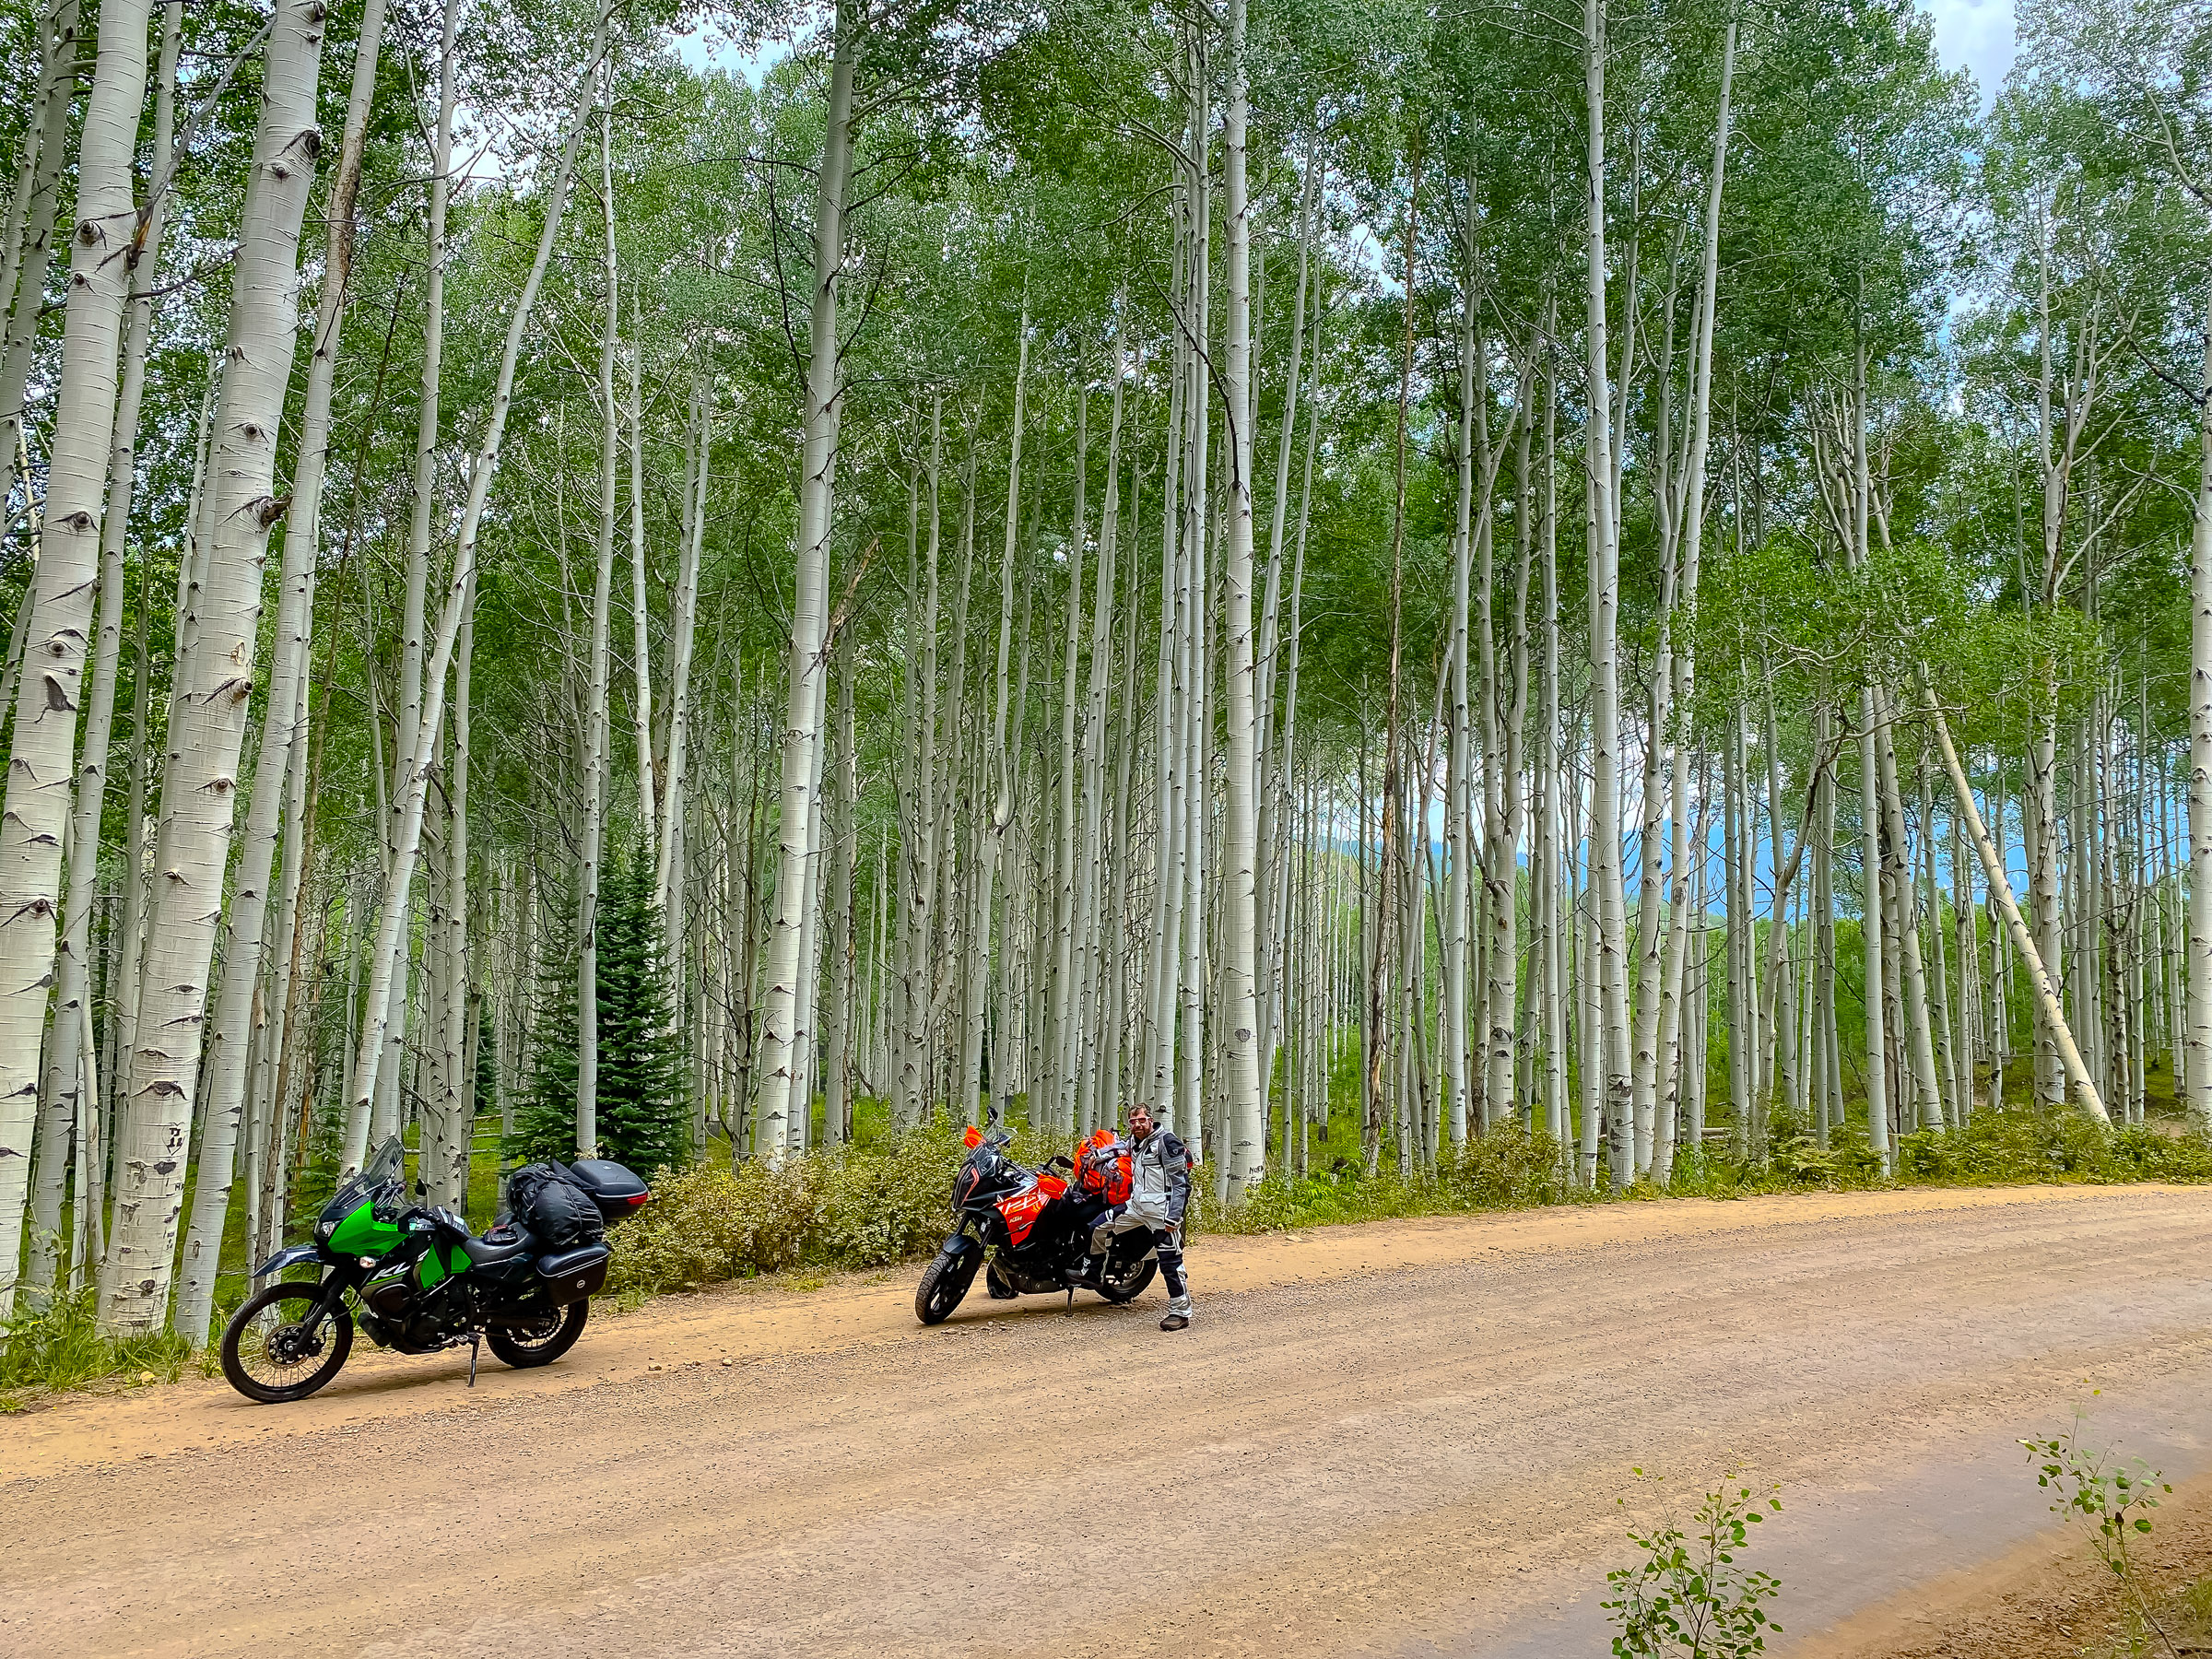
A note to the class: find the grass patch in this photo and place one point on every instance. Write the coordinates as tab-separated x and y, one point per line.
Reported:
58	1347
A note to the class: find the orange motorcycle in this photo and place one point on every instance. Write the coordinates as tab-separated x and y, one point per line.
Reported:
1035	1228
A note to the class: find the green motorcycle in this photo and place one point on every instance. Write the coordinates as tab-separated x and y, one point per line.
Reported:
416	1280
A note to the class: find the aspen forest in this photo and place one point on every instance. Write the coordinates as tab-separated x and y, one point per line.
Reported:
1628	578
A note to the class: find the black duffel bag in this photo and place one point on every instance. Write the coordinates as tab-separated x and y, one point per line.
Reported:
557	1212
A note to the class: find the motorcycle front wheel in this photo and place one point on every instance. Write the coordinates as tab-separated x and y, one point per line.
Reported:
944	1282
1123	1281
544	1342
269	1353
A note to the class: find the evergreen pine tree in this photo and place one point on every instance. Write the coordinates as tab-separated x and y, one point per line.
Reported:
545	1114
642	1119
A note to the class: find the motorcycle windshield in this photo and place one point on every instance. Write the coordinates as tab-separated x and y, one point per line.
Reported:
388	1164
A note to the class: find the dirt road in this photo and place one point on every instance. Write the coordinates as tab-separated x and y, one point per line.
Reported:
1400	1440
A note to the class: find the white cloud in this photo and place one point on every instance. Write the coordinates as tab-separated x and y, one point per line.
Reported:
1976	35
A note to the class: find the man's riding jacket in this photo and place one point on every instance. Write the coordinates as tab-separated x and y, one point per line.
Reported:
1159	1179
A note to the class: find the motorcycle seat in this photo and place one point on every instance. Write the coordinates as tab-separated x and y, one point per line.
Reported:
483	1253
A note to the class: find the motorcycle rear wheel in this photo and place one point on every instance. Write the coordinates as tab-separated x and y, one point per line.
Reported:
944	1282
1125	1281
522	1349
267	1355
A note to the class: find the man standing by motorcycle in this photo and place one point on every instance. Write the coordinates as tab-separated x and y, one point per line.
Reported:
1159	1191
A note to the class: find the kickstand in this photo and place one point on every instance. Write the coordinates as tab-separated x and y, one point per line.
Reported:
1071	1297
476	1345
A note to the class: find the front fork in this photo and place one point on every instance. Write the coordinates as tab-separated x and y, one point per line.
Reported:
336	1283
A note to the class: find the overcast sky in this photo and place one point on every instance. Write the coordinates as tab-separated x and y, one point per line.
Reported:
1977	35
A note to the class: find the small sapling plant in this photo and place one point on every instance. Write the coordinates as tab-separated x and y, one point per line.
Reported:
1689	1598
2114	1501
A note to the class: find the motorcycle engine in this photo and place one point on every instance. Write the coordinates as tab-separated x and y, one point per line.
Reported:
1029	1284
398	1315
388	1293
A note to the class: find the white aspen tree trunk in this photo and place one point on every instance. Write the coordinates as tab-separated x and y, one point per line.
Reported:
1667	1104
1692	532
906	1082
1503	1095
950	786
1966	1051
597	723
432	1055
281	730
800	1123
73	972
1240	853
268	1175
1481	806
802	737
1194	620
1647	1050
391	919
132	924
1611	930
2195	1073
1459	848
385	1114
917	848
1939	995
1092	858
1276	802
447	1173
1121	1046
837	1071
1287	763
42	752
1168	774
39	183
640	604
1920	1041
2000	888
1548	874
990	836
1778	983
1735	920
1198	612
1066	1012
208	721
679	671
29	148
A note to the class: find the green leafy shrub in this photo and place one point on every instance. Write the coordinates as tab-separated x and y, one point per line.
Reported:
847	1207
2114	1501
1507	1169
1688	1597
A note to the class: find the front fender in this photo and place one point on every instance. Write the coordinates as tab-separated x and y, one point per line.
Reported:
291	1256
958	1245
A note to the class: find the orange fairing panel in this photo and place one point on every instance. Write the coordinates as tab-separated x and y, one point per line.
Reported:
1022	1209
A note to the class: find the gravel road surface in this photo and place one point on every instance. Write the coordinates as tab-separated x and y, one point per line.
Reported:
1403	1439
